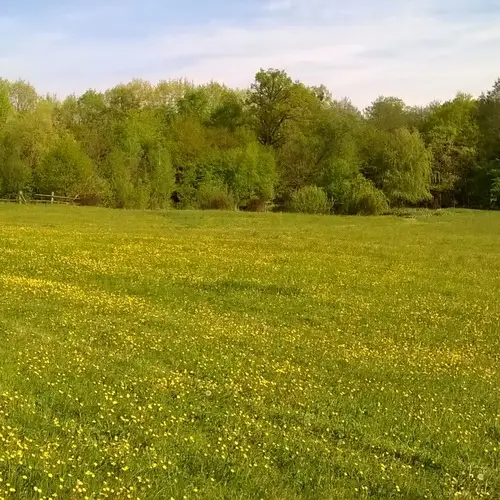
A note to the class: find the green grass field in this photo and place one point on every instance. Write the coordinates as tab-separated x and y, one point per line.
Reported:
202	355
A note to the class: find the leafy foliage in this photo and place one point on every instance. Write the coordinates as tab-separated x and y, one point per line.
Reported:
214	196
495	193
309	200
362	197
272	105
65	170
406	168
140	145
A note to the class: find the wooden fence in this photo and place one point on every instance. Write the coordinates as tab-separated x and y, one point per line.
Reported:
51	199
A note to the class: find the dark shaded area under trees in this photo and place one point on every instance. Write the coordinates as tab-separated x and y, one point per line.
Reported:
281	142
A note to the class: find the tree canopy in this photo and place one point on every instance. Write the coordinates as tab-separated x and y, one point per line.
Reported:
278	142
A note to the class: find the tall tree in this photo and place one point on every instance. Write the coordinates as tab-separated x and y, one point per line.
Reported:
271	100
66	170
23	96
451	133
399	164
388	113
488	116
483	181
5	104
15	174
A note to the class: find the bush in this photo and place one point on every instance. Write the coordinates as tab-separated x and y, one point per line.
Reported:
213	196
261	204
363	197
309	200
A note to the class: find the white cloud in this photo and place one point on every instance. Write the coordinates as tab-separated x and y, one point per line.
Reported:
279	5
359	52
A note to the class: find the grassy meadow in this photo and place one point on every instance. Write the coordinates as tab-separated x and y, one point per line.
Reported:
204	355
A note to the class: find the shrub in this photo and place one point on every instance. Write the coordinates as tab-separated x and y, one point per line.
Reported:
261	204
363	197
309	200
214	196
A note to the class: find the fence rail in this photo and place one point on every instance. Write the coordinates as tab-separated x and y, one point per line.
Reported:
51	199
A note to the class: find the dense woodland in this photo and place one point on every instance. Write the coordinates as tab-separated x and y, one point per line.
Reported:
279	143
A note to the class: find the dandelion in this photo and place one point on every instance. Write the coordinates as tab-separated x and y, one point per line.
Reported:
333	345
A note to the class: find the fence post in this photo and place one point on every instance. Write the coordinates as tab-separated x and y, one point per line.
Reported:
52	198
20	197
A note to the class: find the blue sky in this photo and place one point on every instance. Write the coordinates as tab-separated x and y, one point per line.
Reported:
419	50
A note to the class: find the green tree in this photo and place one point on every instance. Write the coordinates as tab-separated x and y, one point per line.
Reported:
190	150
5	105
229	112
271	100
321	150
451	133
89	119
481	181
488	118
15	174
250	175
23	96
406	168
30	135
118	168
388	113
66	170
399	164
195	103
124	98
167	94
161	177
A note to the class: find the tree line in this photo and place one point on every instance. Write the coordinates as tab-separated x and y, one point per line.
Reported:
278	143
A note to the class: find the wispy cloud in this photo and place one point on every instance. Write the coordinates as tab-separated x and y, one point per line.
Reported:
419	50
